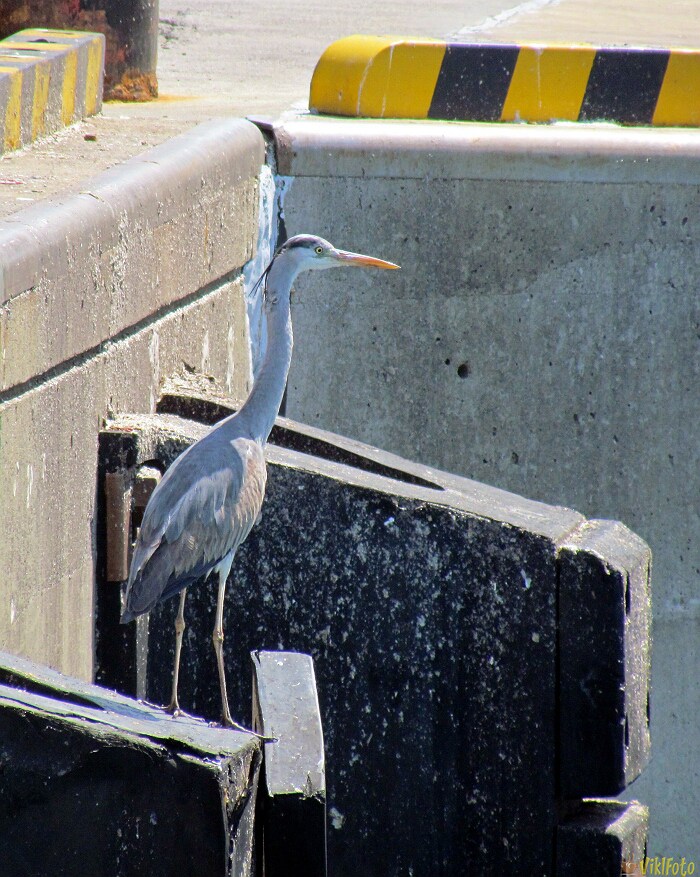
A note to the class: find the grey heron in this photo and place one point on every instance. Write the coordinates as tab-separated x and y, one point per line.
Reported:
208	500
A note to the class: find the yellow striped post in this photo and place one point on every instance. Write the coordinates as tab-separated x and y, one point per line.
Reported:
53	77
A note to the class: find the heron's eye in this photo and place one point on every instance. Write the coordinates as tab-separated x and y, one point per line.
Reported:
319	250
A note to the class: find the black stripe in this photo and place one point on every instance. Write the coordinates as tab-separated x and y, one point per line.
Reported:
473	82
624	85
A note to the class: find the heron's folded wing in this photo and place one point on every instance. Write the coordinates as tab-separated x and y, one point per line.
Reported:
204	507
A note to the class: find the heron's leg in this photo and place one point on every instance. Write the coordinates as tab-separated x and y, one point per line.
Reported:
218	639
174	706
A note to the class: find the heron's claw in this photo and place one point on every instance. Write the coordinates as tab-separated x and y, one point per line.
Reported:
176	712
227	722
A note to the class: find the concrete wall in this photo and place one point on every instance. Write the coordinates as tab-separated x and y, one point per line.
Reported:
542	337
103	295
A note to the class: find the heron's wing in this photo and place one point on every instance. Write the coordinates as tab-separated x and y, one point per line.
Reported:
203	508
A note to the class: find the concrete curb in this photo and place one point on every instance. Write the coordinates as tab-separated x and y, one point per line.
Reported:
57	258
316	146
48	79
398	77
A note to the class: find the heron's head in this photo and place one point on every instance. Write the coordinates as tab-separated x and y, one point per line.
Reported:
311	253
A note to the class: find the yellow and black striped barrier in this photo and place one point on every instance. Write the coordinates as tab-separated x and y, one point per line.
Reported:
401	78
48	79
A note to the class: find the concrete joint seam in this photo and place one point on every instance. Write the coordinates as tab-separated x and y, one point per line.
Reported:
406	78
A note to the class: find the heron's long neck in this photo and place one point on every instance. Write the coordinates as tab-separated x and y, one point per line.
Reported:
261	407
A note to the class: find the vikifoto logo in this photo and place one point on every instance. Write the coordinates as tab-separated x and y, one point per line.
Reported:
664	866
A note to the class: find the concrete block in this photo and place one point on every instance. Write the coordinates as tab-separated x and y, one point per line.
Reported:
95	781
75	273
55	79
429	605
102	296
540	337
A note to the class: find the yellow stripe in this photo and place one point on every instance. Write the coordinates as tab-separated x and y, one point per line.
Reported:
43	32
19	60
679	98
336	81
548	83
92	84
35	47
402	81
42	80
13	110
70	75
377	76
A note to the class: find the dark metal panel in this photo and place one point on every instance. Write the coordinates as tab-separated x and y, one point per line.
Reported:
605	659
93	782
433	632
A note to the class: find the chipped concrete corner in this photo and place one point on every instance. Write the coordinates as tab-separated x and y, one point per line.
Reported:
102	296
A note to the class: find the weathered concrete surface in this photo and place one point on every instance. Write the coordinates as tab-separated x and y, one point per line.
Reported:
541	336
137	239
430	606
94	782
104	295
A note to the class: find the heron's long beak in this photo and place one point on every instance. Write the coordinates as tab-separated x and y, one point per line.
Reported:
360	260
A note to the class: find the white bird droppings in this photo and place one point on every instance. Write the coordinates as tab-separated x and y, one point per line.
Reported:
337	818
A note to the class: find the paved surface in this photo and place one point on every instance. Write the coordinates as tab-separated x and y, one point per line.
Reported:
261	61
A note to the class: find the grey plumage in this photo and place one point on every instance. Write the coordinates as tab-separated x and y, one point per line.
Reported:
207	502
188	533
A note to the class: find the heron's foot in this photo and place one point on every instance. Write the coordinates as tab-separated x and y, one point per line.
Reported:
176	712
227	722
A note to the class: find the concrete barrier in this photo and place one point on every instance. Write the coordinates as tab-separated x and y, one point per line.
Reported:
101	295
404	78
130	29
48	79
541	338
